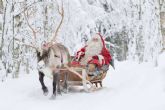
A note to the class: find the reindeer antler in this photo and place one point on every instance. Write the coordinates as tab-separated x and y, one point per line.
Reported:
32	29
51	43
61	12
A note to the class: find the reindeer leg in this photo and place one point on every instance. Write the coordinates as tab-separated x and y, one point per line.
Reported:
65	83
55	76
101	85
41	79
58	84
96	84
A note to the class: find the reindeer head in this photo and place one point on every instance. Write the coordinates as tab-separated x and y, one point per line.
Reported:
50	56
43	52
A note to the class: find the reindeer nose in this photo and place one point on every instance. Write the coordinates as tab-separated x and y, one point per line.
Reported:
44	45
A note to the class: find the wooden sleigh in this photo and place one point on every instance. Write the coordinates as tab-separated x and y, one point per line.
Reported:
77	76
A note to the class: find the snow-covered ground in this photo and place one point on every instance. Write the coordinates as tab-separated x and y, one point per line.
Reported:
131	86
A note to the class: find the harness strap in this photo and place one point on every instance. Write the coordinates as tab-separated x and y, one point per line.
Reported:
62	61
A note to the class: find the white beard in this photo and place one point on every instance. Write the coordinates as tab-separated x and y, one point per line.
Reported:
92	49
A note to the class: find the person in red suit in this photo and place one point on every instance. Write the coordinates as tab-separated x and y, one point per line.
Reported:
94	52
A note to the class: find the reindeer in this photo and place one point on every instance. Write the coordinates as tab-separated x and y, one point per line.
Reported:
52	55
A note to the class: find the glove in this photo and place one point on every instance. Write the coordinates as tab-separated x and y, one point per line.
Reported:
95	57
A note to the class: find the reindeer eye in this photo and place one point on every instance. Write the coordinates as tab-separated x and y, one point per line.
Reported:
56	56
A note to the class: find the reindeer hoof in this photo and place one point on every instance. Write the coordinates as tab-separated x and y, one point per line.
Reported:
53	97
59	92
45	91
65	91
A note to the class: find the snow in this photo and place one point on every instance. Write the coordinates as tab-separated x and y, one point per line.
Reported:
131	86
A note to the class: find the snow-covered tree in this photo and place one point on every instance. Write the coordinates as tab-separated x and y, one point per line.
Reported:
133	28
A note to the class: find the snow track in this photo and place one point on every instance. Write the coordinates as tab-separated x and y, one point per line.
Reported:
131	86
